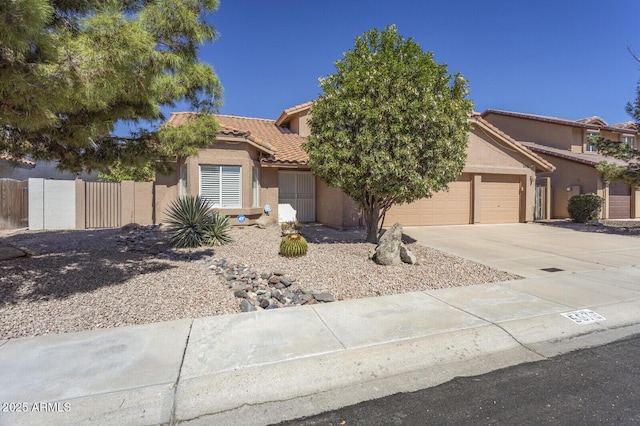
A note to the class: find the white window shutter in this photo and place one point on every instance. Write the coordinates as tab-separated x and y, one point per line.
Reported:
231	187
221	185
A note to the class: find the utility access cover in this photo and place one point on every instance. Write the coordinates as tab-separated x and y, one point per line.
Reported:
584	316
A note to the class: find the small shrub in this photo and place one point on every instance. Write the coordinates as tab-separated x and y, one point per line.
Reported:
585	207
217	233
293	245
193	223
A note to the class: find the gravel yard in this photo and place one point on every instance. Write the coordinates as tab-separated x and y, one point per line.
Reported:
82	280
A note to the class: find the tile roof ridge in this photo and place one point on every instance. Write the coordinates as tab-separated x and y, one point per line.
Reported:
297	107
245	118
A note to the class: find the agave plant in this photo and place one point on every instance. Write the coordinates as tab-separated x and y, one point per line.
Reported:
217	232
293	245
193	223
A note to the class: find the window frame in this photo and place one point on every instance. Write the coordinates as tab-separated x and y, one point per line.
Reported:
183	188
628	140
588	146
222	202
255	187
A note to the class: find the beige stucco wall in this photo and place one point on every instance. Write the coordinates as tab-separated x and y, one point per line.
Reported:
549	134
579	178
223	153
269	189
299	123
165	190
334	208
486	156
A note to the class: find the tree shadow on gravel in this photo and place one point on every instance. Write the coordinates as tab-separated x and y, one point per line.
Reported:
629	228
321	234
63	263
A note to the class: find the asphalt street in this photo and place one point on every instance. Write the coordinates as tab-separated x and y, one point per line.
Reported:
589	387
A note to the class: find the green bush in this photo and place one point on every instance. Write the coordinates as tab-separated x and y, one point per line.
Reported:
193	223
293	245
584	208
217	233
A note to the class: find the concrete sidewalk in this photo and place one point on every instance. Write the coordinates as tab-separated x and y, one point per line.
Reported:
264	367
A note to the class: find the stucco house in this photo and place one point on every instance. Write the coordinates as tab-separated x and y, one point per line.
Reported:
565	144
14	168
256	162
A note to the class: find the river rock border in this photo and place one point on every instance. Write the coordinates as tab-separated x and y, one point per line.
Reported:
266	290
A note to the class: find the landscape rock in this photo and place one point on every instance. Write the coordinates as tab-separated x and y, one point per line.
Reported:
285	282
324	297
406	256
240	294
265	221
265	275
246	306
9	252
388	249
271	291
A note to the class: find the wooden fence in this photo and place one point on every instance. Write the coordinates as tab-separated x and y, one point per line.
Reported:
103	205
14	204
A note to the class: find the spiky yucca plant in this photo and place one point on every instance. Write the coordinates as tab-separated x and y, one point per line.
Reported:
293	245
193	223
217	233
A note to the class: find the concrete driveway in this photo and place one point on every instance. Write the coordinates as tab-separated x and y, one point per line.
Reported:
531	249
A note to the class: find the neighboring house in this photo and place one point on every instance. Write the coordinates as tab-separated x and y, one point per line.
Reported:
23	169
565	144
255	162
14	168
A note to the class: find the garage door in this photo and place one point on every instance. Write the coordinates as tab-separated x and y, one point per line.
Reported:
500	199
444	208
619	201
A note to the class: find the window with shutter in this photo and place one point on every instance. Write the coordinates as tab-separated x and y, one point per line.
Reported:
221	185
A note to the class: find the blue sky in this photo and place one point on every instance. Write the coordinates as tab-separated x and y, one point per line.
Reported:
562	58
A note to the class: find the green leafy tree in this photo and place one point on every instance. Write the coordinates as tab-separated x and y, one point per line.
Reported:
70	70
390	127
630	173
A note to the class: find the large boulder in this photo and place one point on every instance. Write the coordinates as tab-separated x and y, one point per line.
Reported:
8	251
388	249
391	250
406	256
265	221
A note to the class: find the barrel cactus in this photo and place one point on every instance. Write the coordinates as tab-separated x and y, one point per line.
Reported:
293	245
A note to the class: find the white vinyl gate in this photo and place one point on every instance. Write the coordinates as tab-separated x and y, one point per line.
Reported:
299	190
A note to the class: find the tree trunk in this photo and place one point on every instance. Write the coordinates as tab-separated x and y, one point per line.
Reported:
371	219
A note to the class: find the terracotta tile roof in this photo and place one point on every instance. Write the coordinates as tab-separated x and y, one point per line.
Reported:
546	119
287	145
543	165
590	159
282	145
594	122
291	111
627	125
20	161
